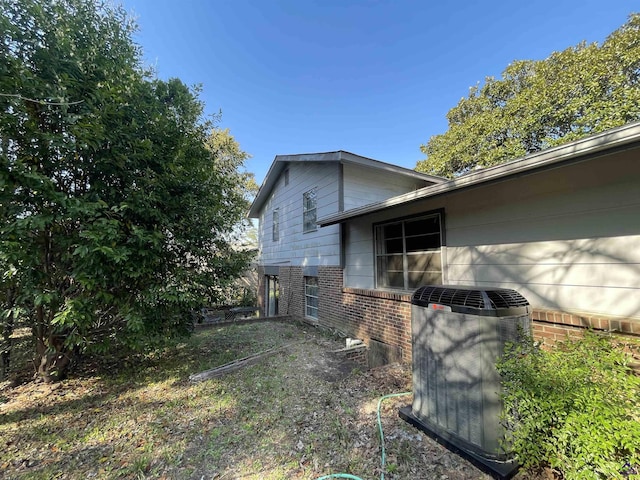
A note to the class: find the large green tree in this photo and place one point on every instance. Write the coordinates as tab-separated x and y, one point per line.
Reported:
116	213
579	91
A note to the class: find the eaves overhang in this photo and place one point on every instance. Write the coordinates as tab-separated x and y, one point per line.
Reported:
619	138
281	161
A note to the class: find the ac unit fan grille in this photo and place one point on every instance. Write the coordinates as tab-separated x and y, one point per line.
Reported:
470	297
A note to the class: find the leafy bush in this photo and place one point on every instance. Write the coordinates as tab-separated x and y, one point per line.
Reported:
575	408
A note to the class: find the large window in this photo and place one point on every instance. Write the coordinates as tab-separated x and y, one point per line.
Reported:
309	211
275	228
311	297
408	253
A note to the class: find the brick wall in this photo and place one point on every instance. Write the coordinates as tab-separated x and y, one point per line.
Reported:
552	326
330	309
377	315
291	301
364	314
356	354
386	316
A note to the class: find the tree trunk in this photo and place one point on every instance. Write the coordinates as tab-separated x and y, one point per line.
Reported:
53	359
5	343
5	348
52	356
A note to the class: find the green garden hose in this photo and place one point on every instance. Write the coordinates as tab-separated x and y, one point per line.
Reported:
383	459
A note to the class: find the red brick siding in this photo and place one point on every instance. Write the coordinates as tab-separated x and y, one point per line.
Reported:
364	314
291	300
330	310
356	354
386	316
552	326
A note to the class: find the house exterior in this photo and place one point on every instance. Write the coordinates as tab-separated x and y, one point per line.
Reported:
562	227
296	258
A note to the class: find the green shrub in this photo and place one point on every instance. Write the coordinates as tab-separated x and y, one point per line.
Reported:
575	408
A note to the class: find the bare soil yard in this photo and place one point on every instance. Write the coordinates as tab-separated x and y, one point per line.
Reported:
297	414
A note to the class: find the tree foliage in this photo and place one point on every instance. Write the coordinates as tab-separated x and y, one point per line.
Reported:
116	213
579	91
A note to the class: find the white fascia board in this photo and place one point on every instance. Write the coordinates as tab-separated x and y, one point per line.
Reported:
550	158
280	161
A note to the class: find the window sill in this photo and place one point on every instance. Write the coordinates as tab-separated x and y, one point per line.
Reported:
397	295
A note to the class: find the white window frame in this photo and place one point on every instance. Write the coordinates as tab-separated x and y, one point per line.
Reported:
275	227
309	210
404	255
311	297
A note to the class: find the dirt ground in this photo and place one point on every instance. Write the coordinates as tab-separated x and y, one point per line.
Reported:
299	414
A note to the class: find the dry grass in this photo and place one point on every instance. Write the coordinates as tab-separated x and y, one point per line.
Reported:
295	415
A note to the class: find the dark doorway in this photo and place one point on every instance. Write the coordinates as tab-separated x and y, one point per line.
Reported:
272	292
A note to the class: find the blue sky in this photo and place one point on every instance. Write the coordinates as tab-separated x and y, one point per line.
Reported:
372	77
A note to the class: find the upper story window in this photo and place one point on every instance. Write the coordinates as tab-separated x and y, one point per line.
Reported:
286	177
275	228
408	253
309	209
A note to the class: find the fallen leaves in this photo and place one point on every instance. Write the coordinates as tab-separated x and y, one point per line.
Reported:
297	414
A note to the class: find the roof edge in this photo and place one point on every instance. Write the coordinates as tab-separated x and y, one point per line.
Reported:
556	156
342	156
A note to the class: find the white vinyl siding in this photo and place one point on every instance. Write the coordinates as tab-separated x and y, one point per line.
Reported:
567	239
363	186
320	247
336	186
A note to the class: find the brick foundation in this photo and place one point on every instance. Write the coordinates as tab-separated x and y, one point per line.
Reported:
365	314
386	316
356	354
552	326
291	292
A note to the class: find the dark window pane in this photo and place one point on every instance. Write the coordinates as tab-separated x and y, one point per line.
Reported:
393	246
423	242
422	226
393	231
309	200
